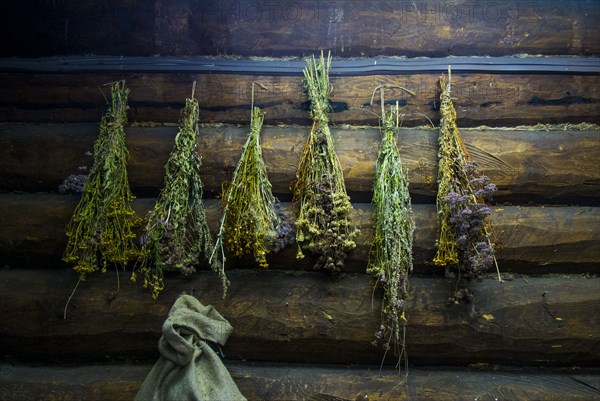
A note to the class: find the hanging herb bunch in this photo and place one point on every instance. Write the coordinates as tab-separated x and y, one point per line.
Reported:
324	225
176	233
391	252
101	228
252	221
463	247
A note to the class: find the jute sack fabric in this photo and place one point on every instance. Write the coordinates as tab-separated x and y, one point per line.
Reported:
189	369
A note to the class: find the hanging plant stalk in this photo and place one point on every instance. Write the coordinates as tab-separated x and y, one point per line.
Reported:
463	247
391	252
324	225
252	222
101	228
176	233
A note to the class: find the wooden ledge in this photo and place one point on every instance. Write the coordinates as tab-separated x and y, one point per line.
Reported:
304	317
285	382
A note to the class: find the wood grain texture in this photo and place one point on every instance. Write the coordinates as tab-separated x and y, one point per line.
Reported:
293	28
481	99
287	382
304	317
355	28
527	166
530	239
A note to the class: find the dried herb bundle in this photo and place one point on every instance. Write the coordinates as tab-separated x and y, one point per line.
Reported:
101	229
252	223
324	225
176	233
464	246
391	252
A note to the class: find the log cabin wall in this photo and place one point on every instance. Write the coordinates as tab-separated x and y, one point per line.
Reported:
299	334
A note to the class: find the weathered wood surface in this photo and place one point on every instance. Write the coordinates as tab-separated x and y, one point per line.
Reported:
488	99
292	28
304	317
530	239
520	64
527	166
279	382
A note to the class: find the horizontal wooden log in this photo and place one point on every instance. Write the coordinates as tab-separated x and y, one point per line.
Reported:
488	99
304	317
279	382
293	28
527	166
550	65
530	239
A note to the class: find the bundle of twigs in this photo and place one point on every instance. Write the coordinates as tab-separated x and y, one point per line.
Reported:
101	228
324	225
464	245
252	222
176	233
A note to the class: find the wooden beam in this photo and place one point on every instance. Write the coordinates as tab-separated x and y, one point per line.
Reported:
286	382
304	317
294	28
550	65
530	239
488	99
527	166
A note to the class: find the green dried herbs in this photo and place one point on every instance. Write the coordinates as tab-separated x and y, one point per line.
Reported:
324	225
176	233
252	222
391	252
101	229
464	246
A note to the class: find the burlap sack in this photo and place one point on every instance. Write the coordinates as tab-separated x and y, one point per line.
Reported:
188	369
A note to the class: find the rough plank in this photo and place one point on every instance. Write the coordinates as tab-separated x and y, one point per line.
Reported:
293	28
527	166
355	28
304	317
530	239
287	382
481	99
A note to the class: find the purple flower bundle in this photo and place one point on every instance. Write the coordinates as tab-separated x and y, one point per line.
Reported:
464	247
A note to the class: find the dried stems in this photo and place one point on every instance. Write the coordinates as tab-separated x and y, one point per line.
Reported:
252	222
324	224
391	252
464	246
176	233
101	229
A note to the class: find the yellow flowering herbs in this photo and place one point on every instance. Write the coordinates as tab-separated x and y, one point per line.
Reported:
324	224
252	222
101	228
